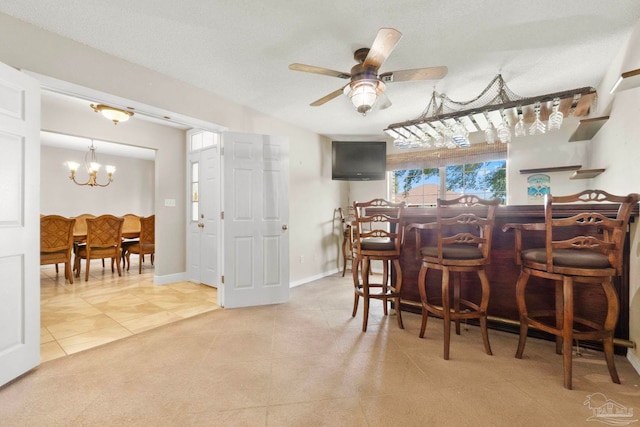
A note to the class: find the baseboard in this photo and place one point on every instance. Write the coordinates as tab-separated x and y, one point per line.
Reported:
170	278
314	278
634	360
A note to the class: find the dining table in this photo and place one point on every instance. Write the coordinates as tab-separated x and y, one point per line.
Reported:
127	233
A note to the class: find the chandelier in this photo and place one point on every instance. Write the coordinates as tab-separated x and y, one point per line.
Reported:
115	114
497	112
92	167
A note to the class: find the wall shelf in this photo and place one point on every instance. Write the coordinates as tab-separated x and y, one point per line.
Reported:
586	173
588	128
627	80
551	169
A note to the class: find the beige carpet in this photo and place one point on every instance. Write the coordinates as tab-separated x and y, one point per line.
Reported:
307	363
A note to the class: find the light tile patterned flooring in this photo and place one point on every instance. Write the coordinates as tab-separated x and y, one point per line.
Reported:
307	362
82	315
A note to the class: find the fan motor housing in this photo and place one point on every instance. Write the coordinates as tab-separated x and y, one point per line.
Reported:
359	72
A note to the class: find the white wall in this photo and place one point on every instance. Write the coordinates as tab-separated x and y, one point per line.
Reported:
132	189
551	149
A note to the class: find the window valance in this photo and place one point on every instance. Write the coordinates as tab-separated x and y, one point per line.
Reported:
476	153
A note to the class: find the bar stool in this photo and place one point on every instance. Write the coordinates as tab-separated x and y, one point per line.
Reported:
580	250
377	236
463	245
347	217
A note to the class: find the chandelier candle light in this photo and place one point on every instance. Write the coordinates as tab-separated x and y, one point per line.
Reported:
92	166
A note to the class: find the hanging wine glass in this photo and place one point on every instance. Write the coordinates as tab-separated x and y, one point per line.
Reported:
489	132
556	116
504	132
424	141
519	129
447	134
438	141
537	127
401	143
460	136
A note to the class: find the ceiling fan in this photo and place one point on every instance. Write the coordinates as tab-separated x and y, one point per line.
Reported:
366	86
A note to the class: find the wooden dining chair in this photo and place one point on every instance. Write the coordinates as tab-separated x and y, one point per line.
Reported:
56	242
146	242
80	227
80	232
131	222
104	240
581	250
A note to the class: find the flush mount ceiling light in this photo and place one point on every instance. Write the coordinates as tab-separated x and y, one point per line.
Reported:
115	114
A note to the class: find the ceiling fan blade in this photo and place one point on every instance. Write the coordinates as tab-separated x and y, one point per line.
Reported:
382	46
383	101
328	97
429	73
319	70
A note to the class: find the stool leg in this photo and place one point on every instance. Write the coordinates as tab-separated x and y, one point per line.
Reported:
446	312
559	315
422	283
385	278
344	254
484	303
567	330
522	309
613	308
456	299
356	285
397	288
365	290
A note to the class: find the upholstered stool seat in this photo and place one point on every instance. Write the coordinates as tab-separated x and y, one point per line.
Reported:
568	258
453	252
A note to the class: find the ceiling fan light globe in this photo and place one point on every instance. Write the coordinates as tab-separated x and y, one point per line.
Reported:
364	94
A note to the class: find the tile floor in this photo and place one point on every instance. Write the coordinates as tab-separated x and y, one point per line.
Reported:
82	315
307	363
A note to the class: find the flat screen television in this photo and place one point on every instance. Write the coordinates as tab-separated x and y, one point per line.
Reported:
358	160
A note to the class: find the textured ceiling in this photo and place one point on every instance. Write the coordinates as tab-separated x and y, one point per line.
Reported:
241	49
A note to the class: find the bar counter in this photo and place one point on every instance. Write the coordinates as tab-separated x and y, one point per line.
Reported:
503	271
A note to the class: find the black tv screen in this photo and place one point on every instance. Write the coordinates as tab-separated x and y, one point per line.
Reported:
358	160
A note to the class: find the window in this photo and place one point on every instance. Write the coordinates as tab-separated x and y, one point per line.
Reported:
203	139
194	192
424	186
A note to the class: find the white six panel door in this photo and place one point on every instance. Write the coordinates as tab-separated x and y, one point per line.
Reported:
19	223
256	204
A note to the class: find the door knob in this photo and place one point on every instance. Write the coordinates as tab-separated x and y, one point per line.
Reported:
284	227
